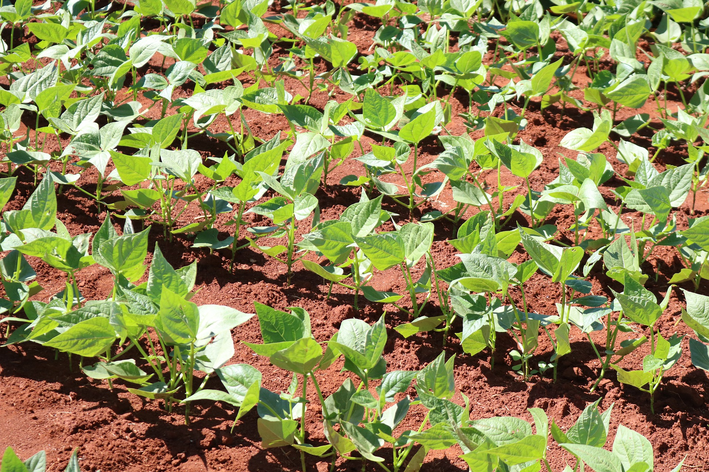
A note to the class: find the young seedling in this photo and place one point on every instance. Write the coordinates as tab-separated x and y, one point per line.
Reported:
640	306
559	264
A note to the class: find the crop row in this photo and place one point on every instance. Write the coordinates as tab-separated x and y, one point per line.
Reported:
93	92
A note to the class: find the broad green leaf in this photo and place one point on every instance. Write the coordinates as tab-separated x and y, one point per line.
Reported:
7	186
419	128
700	354
438	437
584	139
11	462
213	395
178	318
238	379
520	162
589	428
180	7
417	240
132	170
599	459
276	433
697	314
632	448
541	81
530	448
377	111
361	344
377	296
162	275
503	429
363	216
42	205
301	357
677	181
636	378
397	381
385	250
655	200
698	233
523	34
192	50
638	303
632	92
88	338
278	326
419	325
125	254
342	52
51	32
437	377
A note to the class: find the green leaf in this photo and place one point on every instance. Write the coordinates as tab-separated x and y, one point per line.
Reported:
397	381
342	52
213	395
132	170
329	273
416	462
51	32
154	391
697	314
541	81
278	326
546	257
700	354
178	318
192	50
523	34
361	344
438	437
180	7
638	303
162	275
385	250
238	379
503	430
698	233
12	463
589	429
301	357
88	338
125	254
417	240
276	433
421	324
632	448
363	216
437	377
419	128
38	462
377	111
521	163
599	459
42	205
633	92
530	448
376	296
584	139
636	378
655	200
7	186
